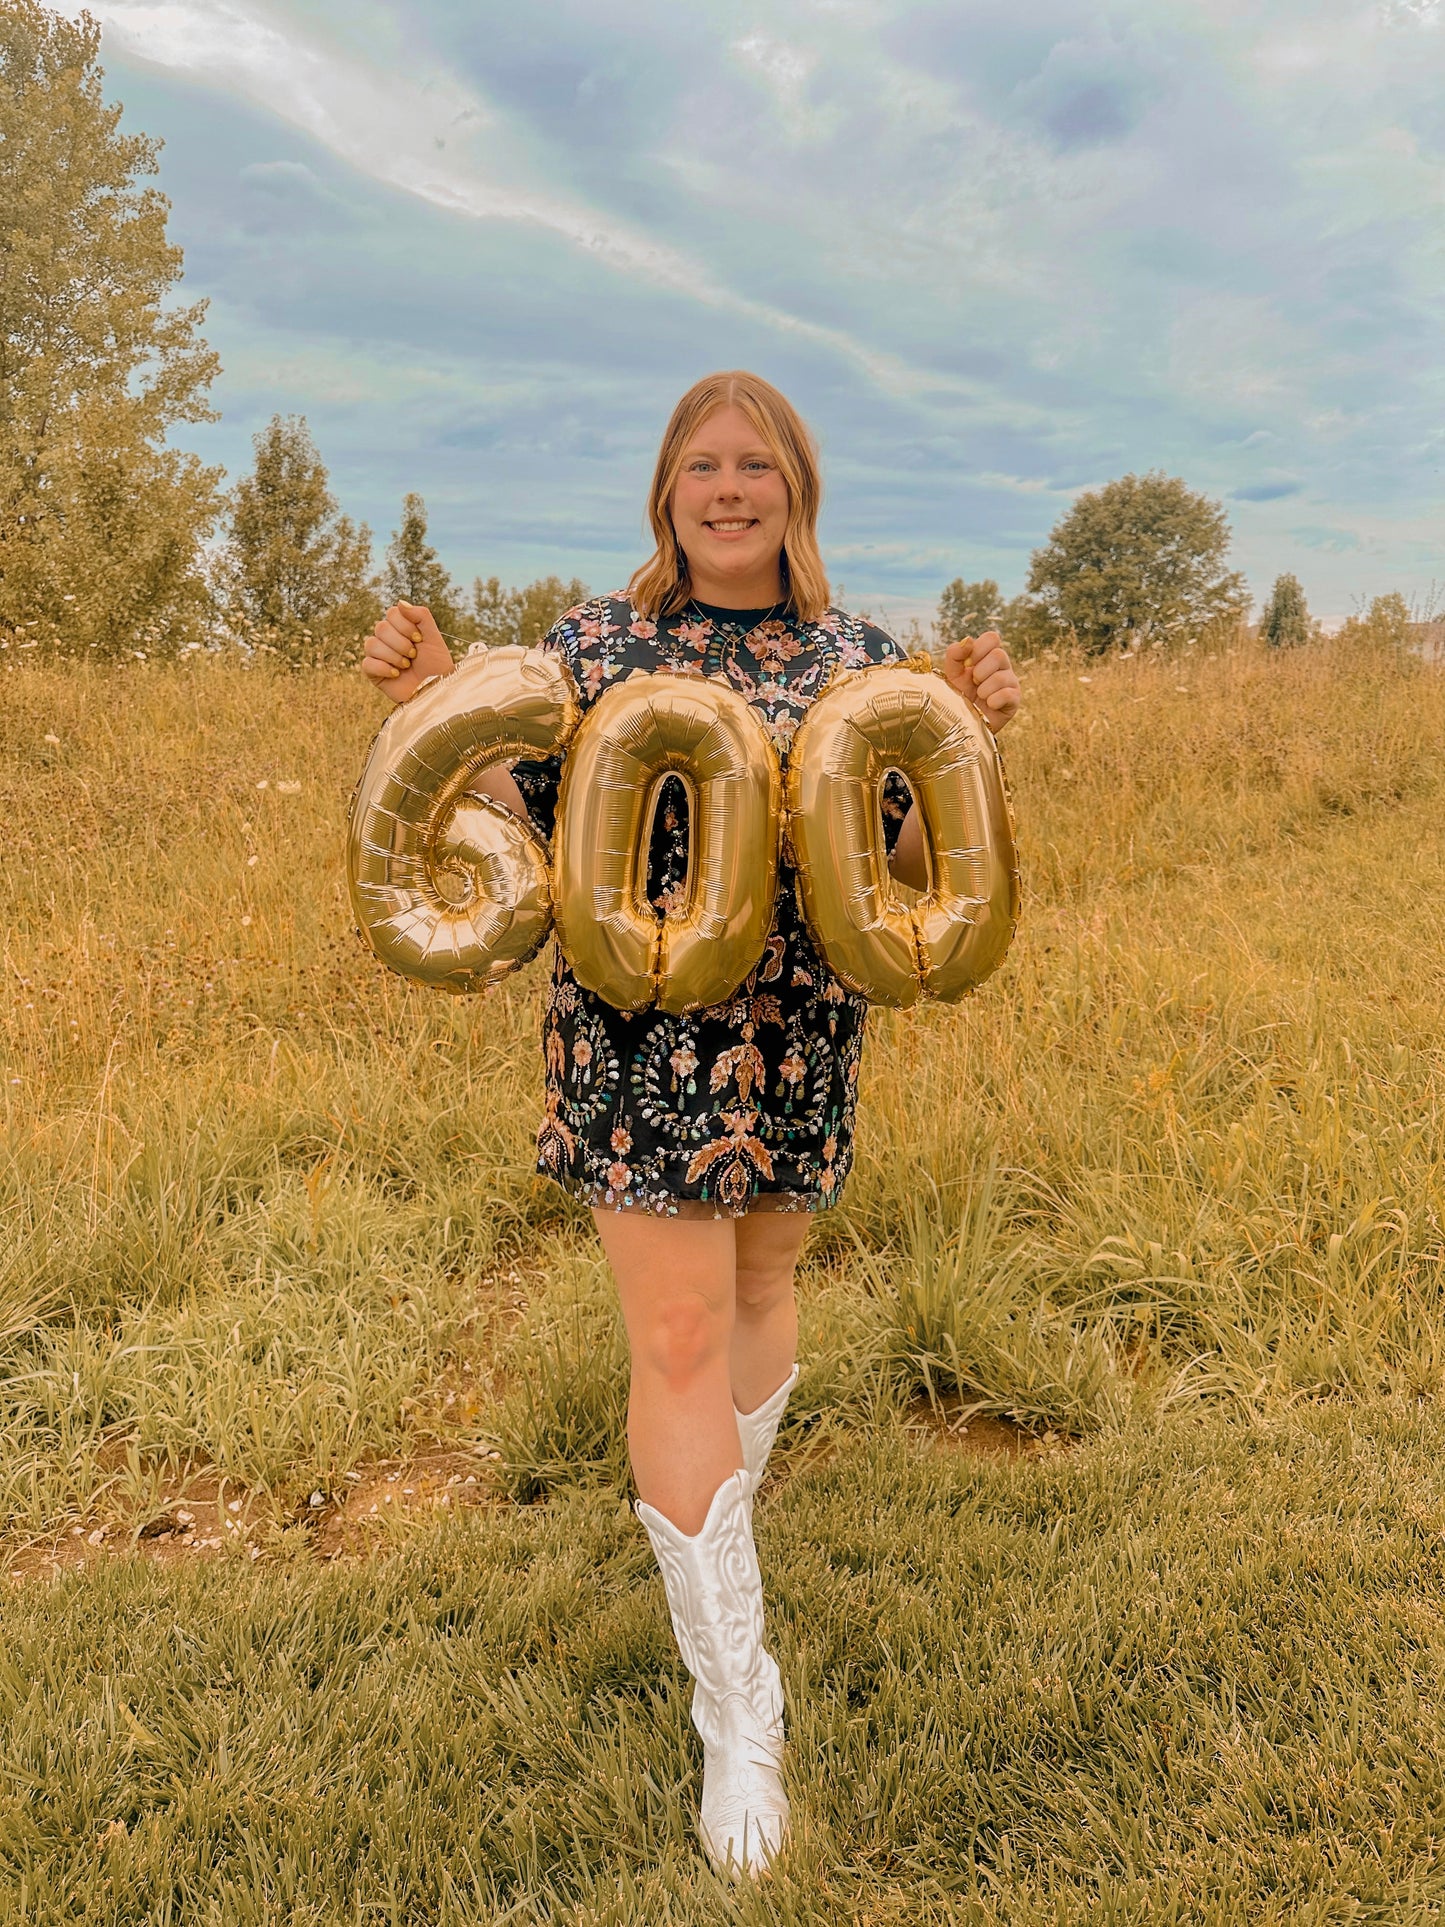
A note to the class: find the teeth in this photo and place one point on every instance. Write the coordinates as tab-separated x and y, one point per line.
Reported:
730	525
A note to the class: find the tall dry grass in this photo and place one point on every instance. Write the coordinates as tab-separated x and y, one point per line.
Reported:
256	1196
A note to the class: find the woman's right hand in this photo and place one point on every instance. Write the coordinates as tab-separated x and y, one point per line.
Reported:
404	649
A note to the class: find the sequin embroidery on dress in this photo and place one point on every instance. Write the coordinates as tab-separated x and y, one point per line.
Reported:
749	1104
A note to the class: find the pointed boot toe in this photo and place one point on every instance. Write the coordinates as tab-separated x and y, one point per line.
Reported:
744	1817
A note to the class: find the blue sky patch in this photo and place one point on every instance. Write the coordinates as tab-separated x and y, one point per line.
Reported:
996	254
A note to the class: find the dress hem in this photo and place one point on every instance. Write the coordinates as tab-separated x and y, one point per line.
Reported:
601	1197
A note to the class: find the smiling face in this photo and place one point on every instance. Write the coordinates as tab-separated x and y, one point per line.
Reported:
730	511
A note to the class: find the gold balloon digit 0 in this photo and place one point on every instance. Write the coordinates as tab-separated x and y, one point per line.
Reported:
452	890
878	945
637	733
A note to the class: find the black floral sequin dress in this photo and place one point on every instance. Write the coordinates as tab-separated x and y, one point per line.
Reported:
747	1105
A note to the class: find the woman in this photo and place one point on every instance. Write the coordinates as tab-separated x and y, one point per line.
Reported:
703	1142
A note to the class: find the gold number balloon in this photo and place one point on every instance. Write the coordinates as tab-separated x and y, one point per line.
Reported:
639	732
449	889
870	722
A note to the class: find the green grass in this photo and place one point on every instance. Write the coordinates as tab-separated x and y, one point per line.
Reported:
1193	1675
1169	1192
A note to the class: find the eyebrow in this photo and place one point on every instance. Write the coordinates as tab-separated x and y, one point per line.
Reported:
710	454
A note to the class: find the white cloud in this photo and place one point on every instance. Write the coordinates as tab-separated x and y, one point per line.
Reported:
999	252
387	125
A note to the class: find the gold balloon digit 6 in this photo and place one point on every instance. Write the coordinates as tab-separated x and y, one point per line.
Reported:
885	718
638	733
449	889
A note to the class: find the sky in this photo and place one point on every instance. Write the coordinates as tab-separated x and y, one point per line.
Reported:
996	253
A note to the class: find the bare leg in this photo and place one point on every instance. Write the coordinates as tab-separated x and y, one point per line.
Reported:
676	1279
765	1334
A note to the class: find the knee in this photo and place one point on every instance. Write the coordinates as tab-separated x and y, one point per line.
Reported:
761	1289
683	1339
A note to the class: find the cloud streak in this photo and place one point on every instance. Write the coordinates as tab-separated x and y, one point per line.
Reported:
998	254
382	126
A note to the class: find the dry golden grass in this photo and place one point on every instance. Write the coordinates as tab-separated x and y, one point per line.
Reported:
1170	1186
259	1196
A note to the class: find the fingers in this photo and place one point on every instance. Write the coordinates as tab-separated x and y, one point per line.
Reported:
416	621
386	654
989	661
390	649
376	668
980	669
996	681
1000	691
400	626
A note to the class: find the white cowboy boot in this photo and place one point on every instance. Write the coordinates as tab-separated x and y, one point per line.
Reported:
757	1430
715	1596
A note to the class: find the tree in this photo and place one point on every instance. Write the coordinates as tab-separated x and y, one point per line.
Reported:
967	609
415	573
1386	623
294	574
1142	557
1286	619
522	615
101	525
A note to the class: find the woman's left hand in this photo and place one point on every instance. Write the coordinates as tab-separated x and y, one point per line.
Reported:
978	667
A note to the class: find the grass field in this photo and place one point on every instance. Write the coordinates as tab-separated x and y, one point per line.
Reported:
327	1605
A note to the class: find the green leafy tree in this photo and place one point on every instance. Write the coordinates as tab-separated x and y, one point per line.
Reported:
102	526
1286	619
967	609
295	574
522	615
1141	558
1386	623
415	573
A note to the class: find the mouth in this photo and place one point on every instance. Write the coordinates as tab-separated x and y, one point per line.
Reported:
734	525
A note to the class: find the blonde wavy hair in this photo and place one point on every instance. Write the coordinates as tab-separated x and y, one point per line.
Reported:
660	587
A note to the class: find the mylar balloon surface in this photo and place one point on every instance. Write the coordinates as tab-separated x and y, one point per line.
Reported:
883	948
449	889
637	733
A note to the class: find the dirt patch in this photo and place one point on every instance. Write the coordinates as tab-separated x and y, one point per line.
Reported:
953	1425
209	1517
204	1515
349	1521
